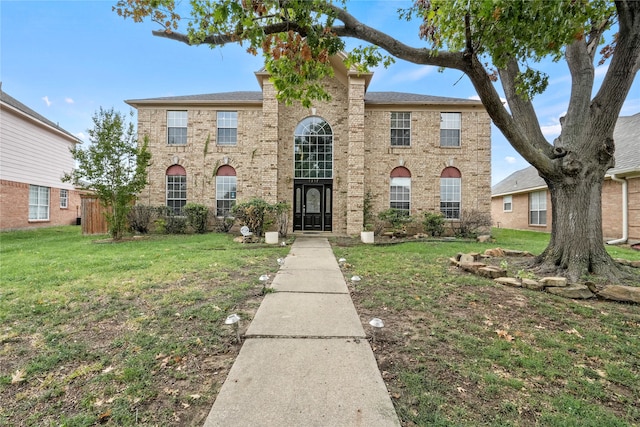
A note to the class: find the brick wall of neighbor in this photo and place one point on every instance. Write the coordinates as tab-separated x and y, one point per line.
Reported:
518	218
425	159
14	207
363	158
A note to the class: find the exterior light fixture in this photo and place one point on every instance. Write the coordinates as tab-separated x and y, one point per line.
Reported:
342	260
375	324
280	262
234	320
264	278
355	279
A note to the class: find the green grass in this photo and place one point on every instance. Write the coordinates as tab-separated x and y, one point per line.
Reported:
130	329
558	362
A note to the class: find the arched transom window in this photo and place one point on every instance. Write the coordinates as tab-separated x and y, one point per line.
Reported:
313	145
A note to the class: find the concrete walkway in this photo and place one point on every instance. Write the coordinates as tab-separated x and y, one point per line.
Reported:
305	360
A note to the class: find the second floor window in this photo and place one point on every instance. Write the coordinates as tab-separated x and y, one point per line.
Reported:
400	129
450	124
176	127
227	127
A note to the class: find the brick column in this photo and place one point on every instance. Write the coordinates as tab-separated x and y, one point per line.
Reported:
269	170
355	173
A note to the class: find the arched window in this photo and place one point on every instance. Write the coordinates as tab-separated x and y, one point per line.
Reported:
313	147
176	188
450	185
226	185
400	189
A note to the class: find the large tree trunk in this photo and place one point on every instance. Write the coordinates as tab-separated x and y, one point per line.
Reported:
576	248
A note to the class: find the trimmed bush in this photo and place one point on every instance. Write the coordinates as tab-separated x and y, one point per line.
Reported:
433	223
140	218
196	217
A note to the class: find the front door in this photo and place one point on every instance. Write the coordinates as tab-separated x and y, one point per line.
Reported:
312	205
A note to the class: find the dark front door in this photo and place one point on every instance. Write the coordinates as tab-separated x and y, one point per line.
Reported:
312	203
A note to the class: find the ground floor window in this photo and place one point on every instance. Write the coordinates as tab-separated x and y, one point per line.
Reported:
507	203
176	188
226	188
450	189
38	203
400	190
64	199
538	208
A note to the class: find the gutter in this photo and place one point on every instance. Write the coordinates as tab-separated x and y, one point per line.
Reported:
625	216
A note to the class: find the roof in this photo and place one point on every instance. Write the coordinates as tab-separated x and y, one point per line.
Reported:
17	105
244	97
413	98
627	139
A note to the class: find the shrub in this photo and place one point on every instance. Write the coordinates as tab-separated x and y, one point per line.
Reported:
471	222
222	225
281	212
175	224
196	216
255	214
433	223
396	217
140	218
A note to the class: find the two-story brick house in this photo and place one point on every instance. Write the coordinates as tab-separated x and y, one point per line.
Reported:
408	151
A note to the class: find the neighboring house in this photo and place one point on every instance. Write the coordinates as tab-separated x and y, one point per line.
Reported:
413	152
34	155
522	201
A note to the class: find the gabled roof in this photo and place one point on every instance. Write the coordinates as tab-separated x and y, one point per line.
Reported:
23	109
627	139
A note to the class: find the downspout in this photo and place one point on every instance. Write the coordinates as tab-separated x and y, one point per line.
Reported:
625	218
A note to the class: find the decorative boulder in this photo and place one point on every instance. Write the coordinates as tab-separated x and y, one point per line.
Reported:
621	293
508	281
557	282
572	291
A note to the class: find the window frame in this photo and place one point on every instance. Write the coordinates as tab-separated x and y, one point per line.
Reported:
313	149
173	123
402	138
227	121
176	198
226	184
64	198
400	194
505	203
539	202
445	126
451	201
40	203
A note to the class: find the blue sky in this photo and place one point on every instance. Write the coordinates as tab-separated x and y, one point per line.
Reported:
66	59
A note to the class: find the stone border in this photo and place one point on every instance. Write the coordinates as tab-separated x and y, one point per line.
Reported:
473	263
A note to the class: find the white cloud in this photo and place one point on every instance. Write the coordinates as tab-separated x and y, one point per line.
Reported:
81	135
511	160
69	100
601	71
415	74
477	98
46	101
551	130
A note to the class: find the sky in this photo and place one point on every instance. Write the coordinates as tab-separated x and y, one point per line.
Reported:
67	59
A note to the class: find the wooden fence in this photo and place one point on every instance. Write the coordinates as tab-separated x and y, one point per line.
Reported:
92	212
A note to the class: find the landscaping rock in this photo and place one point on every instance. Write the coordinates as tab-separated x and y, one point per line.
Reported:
635	264
557	282
484	238
509	252
572	291
492	272
496	252
467	258
453	261
534	285
508	281
471	267
621	293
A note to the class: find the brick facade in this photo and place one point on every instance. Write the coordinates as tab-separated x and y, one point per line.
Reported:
518	218
14	207
362	155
